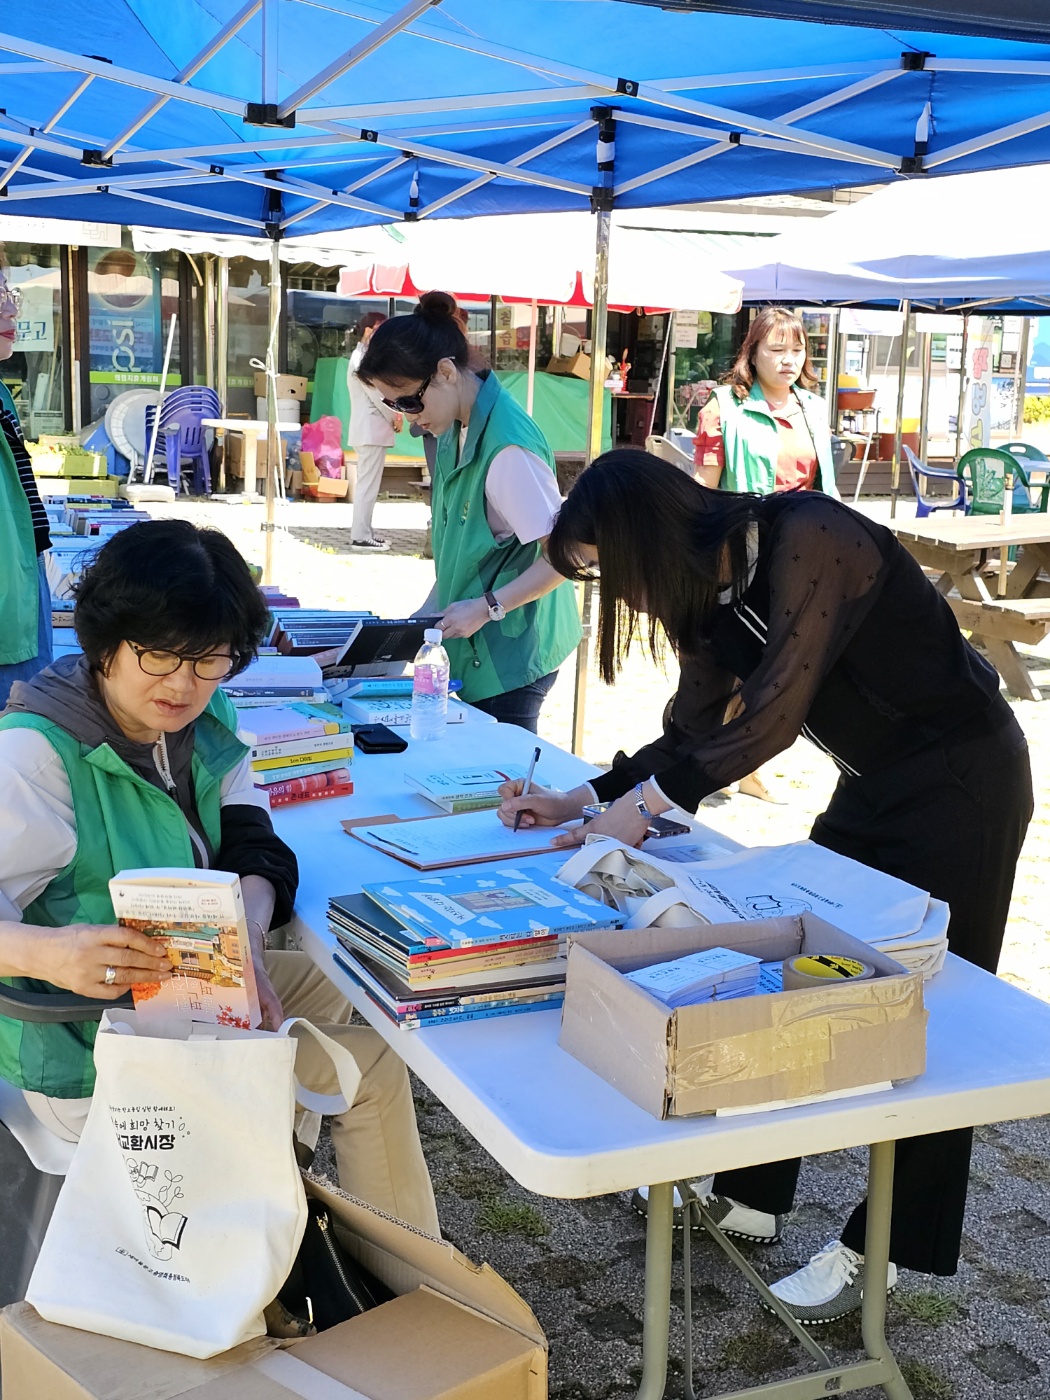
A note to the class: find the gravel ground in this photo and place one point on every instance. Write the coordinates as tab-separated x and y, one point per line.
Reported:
984	1333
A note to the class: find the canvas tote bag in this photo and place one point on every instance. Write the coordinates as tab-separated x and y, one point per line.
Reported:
183	1209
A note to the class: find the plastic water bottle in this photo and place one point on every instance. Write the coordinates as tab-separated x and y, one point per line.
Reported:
430	688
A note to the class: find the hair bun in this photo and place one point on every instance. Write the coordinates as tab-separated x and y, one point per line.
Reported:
436	307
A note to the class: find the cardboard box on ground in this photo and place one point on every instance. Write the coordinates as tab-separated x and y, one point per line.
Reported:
754	1050
456	1331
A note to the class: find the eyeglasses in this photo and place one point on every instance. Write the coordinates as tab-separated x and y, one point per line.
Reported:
410	403
215	667
10	296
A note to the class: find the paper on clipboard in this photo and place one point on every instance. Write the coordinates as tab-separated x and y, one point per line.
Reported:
435	843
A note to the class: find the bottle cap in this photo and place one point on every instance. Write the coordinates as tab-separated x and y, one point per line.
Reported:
434	634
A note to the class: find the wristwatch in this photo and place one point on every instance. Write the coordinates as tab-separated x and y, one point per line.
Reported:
497	612
639	802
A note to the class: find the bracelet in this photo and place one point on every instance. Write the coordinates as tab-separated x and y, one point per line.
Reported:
639	802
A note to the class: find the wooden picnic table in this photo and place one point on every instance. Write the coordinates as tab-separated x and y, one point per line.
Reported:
959	550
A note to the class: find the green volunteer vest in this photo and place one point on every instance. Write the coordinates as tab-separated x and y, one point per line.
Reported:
19	585
532	640
122	823
752	443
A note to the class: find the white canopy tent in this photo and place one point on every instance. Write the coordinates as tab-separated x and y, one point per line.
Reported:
961	242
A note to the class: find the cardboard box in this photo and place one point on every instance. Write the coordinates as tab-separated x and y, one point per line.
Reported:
578	365
234	458
289	386
326	488
454	1332
753	1050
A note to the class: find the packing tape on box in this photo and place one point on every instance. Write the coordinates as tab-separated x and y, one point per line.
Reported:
299	1378
822	970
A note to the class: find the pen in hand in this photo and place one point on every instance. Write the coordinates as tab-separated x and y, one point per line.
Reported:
527	785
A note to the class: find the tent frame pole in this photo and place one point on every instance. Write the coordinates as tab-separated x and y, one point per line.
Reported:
1022	376
595	409
222	347
924	402
530	391
273	436
902	382
960	412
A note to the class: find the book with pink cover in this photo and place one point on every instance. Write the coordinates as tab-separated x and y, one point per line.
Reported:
199	915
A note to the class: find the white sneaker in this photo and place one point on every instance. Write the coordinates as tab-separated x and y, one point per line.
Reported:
640	1198
828	1287
742	1222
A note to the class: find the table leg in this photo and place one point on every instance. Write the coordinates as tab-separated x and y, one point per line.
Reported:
876	1267
1003	655
251	460
656	1324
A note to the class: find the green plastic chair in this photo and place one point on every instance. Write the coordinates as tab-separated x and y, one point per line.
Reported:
1033	457
983	471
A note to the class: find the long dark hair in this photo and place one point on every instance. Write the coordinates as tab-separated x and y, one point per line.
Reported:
771	318
411	347
667	547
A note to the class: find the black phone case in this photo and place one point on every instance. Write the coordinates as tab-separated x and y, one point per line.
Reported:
378	738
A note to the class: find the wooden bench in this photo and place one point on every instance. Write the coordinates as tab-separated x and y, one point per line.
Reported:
1004	619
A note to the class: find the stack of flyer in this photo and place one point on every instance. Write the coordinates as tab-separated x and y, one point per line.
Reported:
439	949
299	751
713	974
464	789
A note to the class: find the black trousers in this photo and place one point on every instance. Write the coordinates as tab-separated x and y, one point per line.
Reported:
950	819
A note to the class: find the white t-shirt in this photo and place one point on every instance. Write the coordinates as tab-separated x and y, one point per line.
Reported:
521	494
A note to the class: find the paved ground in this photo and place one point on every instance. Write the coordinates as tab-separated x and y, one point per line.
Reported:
984	1333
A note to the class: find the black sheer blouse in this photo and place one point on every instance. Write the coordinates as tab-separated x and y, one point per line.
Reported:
839	636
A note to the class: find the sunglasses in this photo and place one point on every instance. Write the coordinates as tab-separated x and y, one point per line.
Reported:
216	667
10	296
410	403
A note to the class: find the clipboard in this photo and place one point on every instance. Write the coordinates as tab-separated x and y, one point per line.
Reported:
534	842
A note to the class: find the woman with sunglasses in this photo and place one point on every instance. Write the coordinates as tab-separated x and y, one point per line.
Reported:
509	619
127	757
25	599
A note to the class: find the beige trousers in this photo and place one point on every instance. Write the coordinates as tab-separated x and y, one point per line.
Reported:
377	1150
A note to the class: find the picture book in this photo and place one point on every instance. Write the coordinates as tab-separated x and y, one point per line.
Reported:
488	907
199	917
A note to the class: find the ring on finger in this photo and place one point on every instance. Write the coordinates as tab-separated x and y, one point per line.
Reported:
110	977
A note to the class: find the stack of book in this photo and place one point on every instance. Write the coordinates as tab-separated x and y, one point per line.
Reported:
296	631
436	950
274	680
714	974
464	789
394	710
299	751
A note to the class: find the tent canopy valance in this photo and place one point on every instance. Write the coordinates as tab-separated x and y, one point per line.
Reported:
256	117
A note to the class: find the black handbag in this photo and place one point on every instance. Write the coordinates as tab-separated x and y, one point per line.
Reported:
327	1285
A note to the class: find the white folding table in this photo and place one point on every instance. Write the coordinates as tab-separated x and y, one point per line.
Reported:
562	1131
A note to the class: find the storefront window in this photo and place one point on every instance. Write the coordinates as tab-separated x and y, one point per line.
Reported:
699	367
131	300
249	321
512	335
320	322
34	373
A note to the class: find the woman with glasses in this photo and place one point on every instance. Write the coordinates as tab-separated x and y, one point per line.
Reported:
509	619
127	757
25	599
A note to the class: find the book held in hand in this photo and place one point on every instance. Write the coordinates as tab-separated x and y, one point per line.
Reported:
199	917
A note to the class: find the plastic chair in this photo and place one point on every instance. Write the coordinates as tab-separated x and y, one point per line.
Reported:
33	1160
181	434
921	472
1032	458
669	451
982	472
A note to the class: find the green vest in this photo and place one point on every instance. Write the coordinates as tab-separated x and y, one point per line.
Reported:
752	443
532	640
19	579
122	823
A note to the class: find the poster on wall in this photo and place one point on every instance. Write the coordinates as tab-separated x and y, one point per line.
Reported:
123	312
35	327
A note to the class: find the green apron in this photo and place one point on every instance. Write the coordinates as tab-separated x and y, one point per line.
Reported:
19	577
752	443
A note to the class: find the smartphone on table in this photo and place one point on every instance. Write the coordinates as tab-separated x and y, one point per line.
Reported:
378	738
658	826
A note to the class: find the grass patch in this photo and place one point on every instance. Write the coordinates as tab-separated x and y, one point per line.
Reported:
1027	1166
510	1218
924	1382
758	1352
933	1309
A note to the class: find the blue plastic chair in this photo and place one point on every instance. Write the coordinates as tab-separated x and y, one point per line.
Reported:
920	472
181	434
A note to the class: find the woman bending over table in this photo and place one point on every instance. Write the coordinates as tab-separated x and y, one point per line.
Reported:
509	619
835	633
127	757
